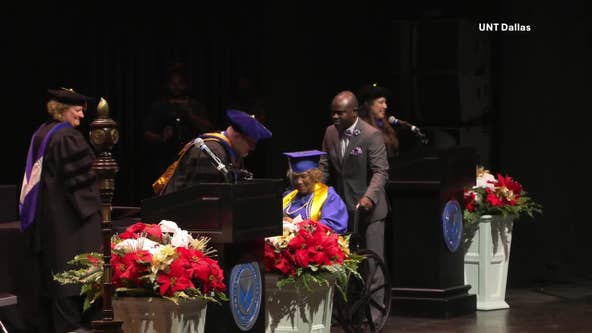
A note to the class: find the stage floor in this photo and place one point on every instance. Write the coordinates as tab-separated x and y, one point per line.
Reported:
531	310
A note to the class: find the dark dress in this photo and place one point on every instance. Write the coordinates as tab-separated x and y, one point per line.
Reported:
67	219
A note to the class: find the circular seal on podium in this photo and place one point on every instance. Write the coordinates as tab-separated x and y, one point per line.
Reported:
245	288
452	225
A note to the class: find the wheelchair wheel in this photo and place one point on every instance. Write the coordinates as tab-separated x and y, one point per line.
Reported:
368	300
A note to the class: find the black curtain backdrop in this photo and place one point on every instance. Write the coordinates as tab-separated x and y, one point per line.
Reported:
123	57
132	77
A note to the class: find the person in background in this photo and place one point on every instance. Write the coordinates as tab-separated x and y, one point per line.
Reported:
245	96
172	121
59	210
373	105
311	199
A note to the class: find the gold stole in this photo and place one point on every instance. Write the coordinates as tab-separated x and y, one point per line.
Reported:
320	194
160	184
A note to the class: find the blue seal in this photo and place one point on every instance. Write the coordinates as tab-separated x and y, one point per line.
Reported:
245	288
452	225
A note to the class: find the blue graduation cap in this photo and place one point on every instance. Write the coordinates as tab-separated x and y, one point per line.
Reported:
247	125
301	161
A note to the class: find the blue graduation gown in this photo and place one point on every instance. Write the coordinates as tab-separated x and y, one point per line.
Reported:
333	213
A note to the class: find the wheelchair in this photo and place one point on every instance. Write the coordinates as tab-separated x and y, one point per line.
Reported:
367	305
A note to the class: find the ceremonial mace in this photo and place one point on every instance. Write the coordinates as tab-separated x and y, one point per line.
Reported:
103	135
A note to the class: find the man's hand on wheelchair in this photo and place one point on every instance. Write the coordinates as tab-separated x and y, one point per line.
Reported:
365	204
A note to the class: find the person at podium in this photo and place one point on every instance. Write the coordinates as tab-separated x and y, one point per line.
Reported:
311	199
214	157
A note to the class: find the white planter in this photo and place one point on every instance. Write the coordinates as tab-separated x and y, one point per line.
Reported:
158	315
486	262
292	310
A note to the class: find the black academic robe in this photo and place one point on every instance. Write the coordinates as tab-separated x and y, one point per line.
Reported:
196	167
68	220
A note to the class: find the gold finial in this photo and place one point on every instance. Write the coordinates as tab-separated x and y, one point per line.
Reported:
103	108
252	116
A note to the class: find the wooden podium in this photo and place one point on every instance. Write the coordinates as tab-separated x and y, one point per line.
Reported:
423	250
237	217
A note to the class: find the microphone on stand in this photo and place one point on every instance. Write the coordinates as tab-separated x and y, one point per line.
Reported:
199	143
398	122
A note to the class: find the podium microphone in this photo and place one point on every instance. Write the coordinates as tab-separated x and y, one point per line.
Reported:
199	143
396	122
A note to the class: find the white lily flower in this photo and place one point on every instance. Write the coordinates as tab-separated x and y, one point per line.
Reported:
133	245
168	226
181	238
484	181
127	245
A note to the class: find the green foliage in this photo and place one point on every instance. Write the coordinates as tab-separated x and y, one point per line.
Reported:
500	196
193	293
89	276
524	206
308	279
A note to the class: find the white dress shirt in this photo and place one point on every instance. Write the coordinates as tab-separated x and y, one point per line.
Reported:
344	141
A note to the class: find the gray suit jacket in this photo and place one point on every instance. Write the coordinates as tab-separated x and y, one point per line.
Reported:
363	170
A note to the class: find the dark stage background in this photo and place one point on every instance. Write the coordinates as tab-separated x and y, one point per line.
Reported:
518	97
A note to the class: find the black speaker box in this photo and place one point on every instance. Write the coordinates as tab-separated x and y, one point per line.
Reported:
442	68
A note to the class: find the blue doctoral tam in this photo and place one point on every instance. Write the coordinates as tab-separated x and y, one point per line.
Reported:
247	125
301	161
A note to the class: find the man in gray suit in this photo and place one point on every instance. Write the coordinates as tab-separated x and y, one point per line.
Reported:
356	165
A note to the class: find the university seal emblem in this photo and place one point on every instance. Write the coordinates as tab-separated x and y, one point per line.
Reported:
452	225
245	294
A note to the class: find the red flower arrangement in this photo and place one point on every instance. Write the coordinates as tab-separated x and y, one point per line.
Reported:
308	252
152	260
500	195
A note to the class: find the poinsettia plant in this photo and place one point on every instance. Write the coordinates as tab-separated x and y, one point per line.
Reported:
308	253
160	260
495	195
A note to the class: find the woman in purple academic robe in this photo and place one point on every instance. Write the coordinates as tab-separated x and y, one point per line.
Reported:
59	212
